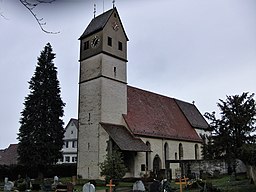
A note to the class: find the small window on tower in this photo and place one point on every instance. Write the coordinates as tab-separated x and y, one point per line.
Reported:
86	45
114	71
120	46
109	41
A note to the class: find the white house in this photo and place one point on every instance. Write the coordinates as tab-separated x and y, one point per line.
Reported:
69	150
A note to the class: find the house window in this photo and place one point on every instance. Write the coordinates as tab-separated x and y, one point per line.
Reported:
86	45
109	41
67	159
74	144
120	46
74	159
72	132
66	144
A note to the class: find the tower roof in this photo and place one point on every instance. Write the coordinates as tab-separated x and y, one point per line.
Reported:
99	22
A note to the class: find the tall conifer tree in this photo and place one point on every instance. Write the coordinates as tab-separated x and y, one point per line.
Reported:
41	132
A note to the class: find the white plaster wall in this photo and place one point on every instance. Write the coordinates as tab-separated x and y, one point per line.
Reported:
157	147
114	101
108	68
89	118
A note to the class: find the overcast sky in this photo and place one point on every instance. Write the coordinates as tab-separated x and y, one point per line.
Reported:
192	50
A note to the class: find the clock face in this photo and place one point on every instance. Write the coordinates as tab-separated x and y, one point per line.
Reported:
95	41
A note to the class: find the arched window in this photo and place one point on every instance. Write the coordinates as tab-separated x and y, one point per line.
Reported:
196	151
148	157
180	151
166	153
176	156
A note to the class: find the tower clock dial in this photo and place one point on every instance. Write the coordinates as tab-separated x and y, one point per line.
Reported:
95	41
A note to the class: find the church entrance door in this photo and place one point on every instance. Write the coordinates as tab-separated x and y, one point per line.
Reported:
156	165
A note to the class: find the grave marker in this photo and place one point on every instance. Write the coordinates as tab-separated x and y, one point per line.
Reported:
138	186
88	187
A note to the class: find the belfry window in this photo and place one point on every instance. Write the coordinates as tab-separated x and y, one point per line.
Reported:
120	46
86	45
109	41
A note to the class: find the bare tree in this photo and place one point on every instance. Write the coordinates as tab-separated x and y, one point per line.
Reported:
30	5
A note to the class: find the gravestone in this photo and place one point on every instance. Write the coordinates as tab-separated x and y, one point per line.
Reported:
88	187
155	186
8	185
55	182
138	186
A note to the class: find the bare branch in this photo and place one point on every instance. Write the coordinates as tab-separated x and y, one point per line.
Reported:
30	6
2	15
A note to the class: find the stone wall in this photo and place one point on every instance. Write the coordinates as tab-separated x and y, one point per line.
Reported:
212	167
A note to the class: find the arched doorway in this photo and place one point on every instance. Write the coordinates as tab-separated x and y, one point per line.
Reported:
157	165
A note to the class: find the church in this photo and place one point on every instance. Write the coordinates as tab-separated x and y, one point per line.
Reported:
155	133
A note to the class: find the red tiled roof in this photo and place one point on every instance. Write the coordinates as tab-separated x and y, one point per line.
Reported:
153	115
9	156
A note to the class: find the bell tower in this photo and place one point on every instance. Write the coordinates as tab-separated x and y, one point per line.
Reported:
102	88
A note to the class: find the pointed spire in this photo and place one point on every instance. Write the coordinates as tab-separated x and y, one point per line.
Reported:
113	3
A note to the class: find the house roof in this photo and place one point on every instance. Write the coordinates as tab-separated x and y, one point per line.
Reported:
75	121
193	115
98	23
153	115
9	156
124	138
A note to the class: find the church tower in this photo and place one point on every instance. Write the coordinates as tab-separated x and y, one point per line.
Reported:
102	88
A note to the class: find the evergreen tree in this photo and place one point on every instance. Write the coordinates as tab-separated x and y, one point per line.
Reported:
113	166
41	132
234	129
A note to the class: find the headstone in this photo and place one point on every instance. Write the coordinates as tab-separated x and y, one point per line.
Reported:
155	186
88	187
8	185
138	186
